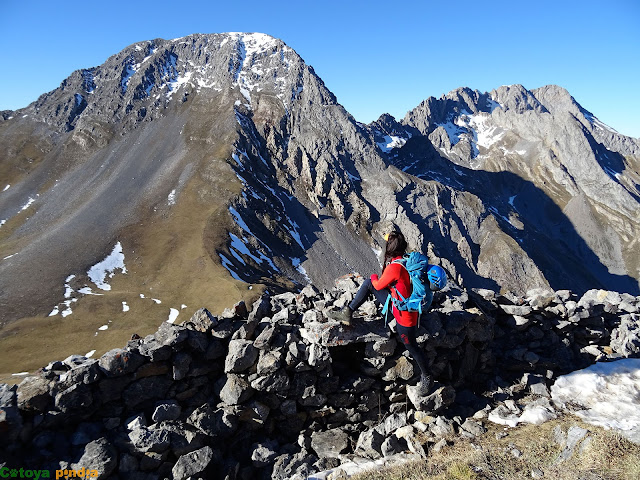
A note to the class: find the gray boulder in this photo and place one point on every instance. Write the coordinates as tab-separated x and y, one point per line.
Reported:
34	394
76	397
269	362
236	390
402	368
148	388
169	410
155	350
192	463
98	455
202	321
625	339
293	467
434	403
87	372
150	439
118	362
330	443
272	383
264	454
220	423
171	335
331	334
370	443
242	355
266	337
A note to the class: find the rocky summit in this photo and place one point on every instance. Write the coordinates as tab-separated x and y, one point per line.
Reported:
278	391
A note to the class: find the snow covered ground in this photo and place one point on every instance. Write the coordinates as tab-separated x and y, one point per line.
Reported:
605	394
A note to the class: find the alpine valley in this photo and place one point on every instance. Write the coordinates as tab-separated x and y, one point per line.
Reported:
200	171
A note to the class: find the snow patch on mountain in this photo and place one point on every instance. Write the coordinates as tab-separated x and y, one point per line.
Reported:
171	198
228	265
29	203
297	264
598	124
175	84
478	128
239	247
390	142
107	268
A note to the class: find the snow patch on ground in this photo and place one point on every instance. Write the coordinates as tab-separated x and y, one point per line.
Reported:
6	188
125	307
606	393
107	267
173	315
171	198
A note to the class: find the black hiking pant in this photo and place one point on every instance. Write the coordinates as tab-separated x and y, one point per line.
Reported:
406	335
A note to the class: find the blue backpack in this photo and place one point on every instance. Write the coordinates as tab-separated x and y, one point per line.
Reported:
424	279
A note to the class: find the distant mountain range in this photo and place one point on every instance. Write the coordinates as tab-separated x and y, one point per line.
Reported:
222	162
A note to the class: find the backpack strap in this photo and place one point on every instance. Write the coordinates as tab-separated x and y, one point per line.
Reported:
385	309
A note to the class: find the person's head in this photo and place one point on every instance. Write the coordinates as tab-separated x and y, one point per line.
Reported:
396	245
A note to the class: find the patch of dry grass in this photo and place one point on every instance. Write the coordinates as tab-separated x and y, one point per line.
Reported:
526	452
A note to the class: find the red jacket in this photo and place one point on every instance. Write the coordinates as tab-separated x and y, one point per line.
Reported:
396	276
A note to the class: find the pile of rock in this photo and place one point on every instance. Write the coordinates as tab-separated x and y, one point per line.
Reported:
281	392
554	333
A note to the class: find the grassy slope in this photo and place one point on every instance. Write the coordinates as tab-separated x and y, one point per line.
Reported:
167	259
170	255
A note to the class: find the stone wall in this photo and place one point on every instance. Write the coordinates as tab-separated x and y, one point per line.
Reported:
279	391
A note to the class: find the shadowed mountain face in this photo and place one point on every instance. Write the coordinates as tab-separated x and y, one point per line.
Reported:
220	162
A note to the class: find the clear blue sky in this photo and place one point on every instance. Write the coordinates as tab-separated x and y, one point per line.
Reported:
375	56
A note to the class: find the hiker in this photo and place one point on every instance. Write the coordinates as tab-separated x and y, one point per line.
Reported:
395	281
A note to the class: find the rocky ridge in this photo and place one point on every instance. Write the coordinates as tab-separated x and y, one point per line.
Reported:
279	391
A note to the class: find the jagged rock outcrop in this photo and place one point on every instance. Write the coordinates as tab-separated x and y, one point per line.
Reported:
281	392
556	174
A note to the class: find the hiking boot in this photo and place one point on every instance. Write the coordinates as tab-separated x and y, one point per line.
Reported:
424	386
344	316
